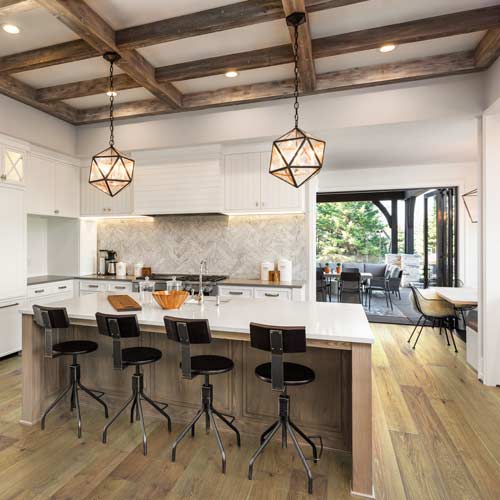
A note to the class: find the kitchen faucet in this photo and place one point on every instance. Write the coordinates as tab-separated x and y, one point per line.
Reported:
203	265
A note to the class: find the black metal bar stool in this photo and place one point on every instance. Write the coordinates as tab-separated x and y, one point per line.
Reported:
52	320
279	340
126	326
187	332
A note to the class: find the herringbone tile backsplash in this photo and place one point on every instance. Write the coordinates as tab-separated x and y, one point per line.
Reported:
233	245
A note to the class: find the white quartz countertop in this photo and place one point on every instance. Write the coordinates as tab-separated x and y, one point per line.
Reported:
323	321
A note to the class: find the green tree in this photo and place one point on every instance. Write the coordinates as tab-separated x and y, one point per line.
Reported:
351	231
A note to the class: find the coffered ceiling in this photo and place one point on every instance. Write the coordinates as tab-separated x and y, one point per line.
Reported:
175	54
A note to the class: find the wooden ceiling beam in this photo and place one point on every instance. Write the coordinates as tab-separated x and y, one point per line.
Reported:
307	71
76	50
488	49
18	90
11	7
230	16
412	31
430	67
87	24
85	88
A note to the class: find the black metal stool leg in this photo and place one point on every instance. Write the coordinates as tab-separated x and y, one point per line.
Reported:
453	340
267	431
53	405
120	411
218	439
181	436
78	414
157	408
93	396
143	425
302	458
415	329
418	336
307	439
260	449
132	408
230	425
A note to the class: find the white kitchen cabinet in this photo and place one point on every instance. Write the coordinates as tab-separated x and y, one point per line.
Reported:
95	203
52	187
250	188
180	188
262	292
44	290
10	327
67	190
12	165
13	245
242	182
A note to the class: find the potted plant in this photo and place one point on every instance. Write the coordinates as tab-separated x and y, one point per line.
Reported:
338	269
327	268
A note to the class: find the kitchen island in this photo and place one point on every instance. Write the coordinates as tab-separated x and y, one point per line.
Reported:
337	405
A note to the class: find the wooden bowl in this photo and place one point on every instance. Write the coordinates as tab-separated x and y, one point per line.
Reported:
172	299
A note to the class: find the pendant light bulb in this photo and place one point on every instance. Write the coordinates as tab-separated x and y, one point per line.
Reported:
111	171
296	156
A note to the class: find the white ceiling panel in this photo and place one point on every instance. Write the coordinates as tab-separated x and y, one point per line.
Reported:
125	13
253	37
282	72
404	52
103	100
38	29
67	73
376	13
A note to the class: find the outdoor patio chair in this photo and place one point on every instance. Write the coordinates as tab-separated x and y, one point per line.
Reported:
395	281
350	285
323	288
380	284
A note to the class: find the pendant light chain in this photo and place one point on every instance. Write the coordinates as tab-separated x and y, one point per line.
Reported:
296	71
111	106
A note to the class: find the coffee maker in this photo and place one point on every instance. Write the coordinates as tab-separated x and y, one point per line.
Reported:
107	262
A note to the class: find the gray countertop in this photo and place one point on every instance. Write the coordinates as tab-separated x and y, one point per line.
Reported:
257	283
51	278
98	277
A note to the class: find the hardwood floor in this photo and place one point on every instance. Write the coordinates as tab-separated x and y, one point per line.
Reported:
436	436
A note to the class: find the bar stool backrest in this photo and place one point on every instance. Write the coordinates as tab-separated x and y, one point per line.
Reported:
118	327
278	340
186	332
51	319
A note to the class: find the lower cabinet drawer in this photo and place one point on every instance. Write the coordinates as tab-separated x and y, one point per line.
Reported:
50	288
93	286
242	291
120	287
273	293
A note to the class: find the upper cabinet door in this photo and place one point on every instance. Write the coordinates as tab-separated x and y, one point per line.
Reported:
242	182
67	190
277	195
12	252
12	166
40	189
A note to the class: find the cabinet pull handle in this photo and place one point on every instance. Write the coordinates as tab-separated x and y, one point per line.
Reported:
235	293
9	305
40	291
120	287
256	203
3	177
93	286
267	294
62	287
56	211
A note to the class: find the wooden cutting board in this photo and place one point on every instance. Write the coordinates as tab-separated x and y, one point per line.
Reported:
124	303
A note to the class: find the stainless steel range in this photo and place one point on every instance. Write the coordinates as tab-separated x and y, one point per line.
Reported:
190	282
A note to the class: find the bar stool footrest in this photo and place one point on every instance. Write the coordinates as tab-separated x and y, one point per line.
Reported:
320	439
231	418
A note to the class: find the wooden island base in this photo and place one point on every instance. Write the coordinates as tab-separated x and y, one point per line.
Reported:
337	405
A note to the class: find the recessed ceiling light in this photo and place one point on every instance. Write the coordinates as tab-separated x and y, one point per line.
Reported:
12	29
231	74
388	47
111	93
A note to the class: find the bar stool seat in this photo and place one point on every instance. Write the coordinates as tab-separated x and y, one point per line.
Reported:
210	365
140	355
75	347
293	373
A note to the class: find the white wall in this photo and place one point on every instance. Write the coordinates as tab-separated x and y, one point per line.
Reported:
26	123
37	246
424	100
462	175
491	87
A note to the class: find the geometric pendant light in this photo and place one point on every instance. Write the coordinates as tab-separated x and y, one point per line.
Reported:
296	156
110	171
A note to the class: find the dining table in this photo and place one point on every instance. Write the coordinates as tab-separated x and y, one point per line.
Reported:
463	297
